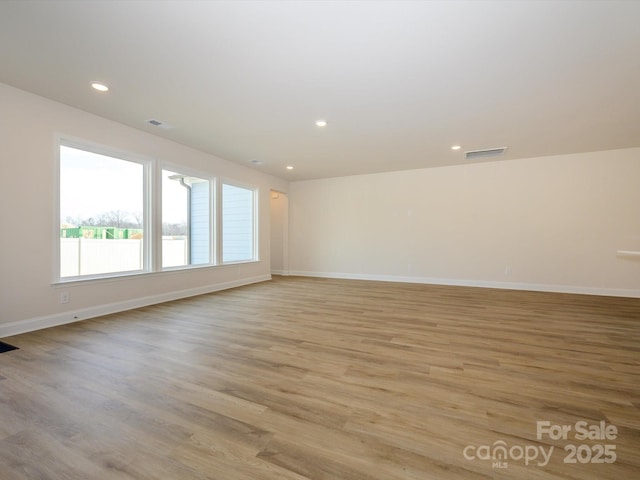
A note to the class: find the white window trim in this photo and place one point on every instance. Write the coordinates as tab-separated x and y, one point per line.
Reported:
93	147
152	206
256	197
213	181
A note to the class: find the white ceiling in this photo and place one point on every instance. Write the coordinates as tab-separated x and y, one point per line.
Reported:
399	82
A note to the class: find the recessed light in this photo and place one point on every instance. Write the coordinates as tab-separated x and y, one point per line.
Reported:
456	147
101	87
321	123
289	167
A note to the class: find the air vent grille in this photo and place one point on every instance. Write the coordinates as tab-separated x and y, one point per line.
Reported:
158	123
487	153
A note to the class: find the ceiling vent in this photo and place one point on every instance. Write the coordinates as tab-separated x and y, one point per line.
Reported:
490	152
158	123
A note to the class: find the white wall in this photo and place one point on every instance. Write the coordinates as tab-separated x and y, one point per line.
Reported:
28	299
552	223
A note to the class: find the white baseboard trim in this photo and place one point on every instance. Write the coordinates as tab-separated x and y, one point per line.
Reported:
609	292
38	323
280	272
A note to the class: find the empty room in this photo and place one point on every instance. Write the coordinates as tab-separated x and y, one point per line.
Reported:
319	240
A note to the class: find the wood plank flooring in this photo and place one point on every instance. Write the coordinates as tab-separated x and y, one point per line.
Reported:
303	378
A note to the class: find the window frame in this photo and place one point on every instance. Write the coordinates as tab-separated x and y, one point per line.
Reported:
152	213
211	182
147	221
255	223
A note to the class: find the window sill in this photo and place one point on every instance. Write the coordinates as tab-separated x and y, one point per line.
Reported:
115	277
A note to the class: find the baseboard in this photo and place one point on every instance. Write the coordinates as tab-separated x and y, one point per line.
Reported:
38	323
280	272
609	292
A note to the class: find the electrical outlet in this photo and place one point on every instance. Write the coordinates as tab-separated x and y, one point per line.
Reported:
64	297
507	271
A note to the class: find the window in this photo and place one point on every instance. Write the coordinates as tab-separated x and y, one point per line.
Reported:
238	242
101	214
185	220
121	215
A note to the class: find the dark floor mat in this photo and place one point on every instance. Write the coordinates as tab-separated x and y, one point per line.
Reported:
5	347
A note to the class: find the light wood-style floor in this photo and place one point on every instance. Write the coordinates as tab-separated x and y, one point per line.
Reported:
302	378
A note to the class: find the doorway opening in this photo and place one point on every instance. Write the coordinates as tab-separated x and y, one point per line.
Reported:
279	233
